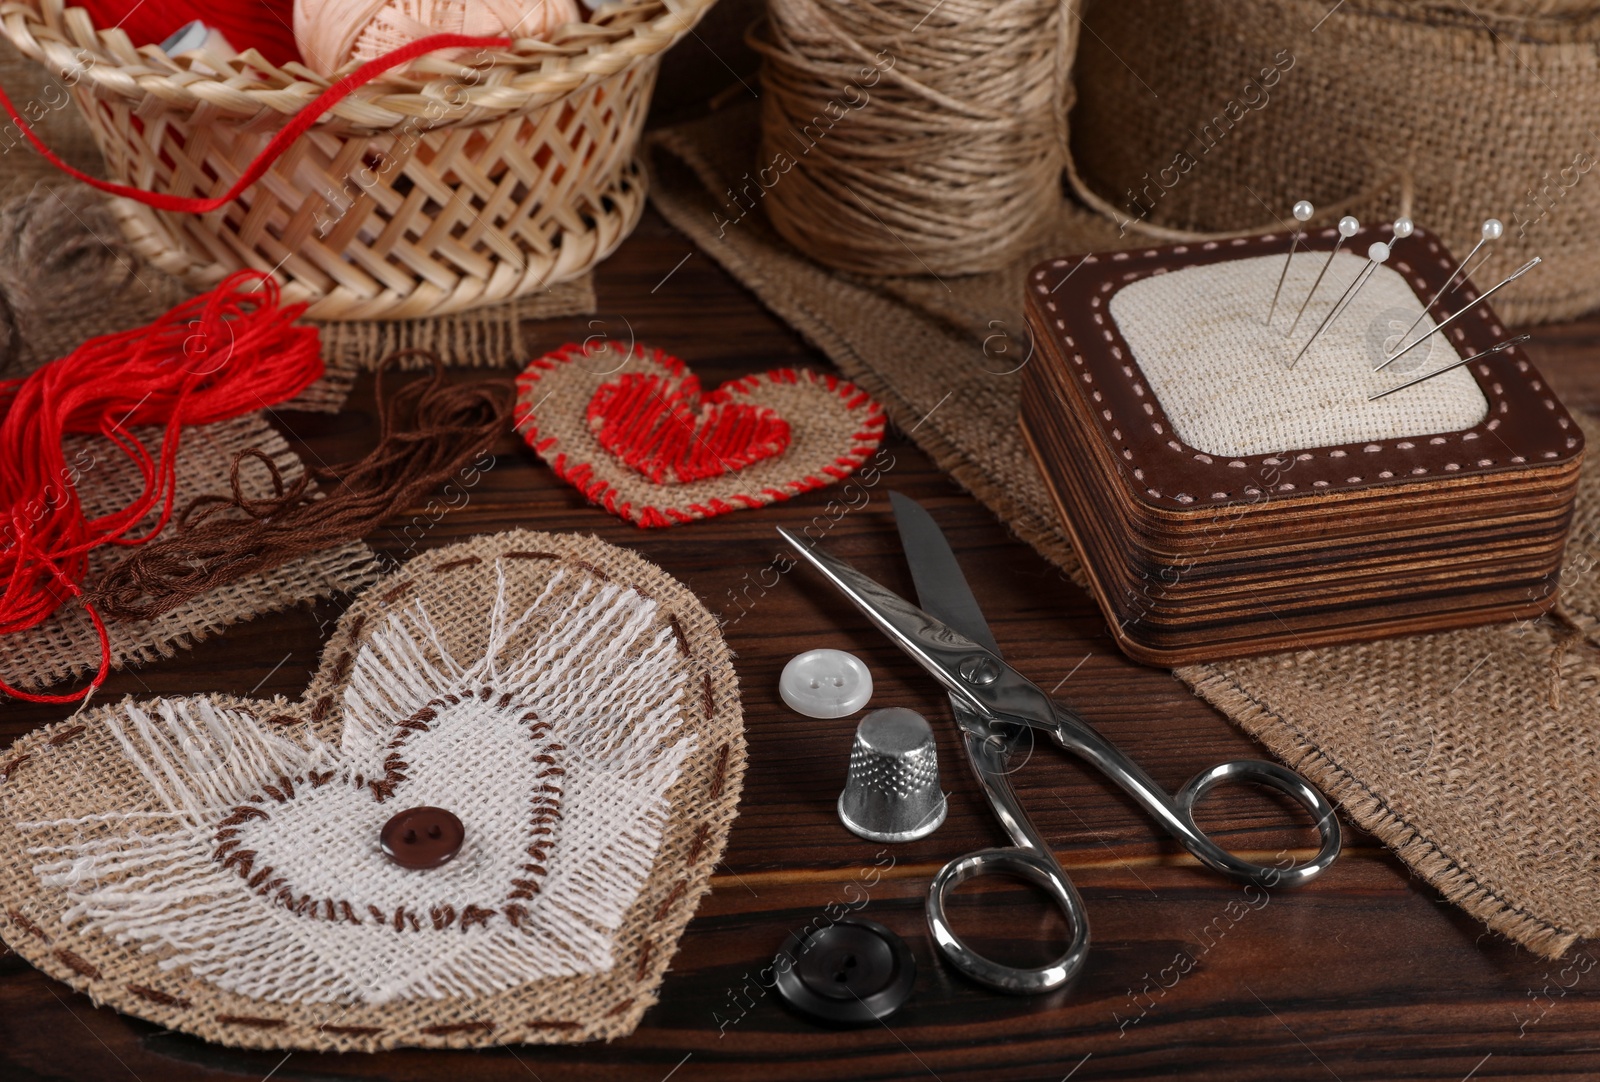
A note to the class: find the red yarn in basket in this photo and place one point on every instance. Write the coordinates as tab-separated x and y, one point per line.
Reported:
222	354
280	143
264	25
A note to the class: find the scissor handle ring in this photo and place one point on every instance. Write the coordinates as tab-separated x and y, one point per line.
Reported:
1285	781
1035	868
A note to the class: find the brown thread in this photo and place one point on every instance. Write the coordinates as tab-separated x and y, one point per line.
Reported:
324	705
250	1020
516	554
644	959
720	775
67	735
352	1031
515	915
319	780
705	691
677	633
428	431
243	812
395	593
76	963
443	917
465	561
475	915
666	904
284	719
505	701
165	999
592	569
341	668
620	1007
359	622
20	919
701	834
445	1029
540	1023
12	767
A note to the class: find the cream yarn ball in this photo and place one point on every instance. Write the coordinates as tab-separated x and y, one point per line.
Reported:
332	32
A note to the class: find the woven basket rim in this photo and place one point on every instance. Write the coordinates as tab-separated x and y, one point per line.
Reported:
530	75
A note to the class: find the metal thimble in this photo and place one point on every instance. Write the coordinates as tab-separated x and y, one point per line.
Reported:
892	793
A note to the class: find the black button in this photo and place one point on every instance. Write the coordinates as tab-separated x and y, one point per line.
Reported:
422	837
851	971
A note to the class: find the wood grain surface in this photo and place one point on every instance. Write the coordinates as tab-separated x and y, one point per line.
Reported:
1366	974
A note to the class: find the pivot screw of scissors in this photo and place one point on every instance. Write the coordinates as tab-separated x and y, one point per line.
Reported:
979	670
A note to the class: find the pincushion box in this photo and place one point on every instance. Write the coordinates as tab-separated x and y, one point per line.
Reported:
1225	503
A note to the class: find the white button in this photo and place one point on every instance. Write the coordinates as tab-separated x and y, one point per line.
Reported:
825	684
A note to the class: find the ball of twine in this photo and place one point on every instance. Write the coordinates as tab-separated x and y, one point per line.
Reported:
899	140
330	33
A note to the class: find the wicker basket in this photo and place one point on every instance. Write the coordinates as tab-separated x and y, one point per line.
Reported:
413	197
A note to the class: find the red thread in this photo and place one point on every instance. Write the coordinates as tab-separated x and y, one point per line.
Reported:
660	426
219	355
281	142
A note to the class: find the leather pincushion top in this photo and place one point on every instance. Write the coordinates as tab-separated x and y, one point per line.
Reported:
1225	503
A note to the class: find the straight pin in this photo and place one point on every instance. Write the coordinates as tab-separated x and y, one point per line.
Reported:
1376	254
1347	229
1303	210
1492	229
1512	277
1507	344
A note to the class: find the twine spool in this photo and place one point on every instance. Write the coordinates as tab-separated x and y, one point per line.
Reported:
896	140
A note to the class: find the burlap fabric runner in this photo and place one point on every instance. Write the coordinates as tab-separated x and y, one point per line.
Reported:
1216	115
222	872
66	647
1414	737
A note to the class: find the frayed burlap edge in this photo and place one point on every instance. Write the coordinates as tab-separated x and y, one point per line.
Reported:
552	1011
485	337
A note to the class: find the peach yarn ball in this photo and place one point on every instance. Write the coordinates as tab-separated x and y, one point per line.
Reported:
332	32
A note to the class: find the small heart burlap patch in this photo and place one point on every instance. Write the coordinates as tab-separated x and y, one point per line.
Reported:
217	865
631	429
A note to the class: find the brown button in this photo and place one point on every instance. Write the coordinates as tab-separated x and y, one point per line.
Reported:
422	837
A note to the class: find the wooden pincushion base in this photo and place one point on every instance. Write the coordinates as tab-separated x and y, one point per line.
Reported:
1195	556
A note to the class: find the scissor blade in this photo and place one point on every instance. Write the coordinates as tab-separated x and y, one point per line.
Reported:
938	648
941	587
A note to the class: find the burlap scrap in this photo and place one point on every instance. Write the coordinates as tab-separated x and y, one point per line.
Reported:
599	687
1471	753
66	646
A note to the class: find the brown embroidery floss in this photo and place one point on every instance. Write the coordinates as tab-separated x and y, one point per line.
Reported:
428	431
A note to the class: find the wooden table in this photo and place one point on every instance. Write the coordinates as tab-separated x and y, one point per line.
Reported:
1365	974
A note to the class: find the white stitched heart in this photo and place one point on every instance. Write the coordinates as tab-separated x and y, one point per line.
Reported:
579	689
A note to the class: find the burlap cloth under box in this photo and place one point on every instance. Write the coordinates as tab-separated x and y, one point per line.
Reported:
66	646
1413	737
223	875
1490	107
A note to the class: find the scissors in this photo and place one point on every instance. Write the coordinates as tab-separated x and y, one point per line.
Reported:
997	711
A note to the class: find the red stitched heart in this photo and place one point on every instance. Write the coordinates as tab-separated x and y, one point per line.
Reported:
670	432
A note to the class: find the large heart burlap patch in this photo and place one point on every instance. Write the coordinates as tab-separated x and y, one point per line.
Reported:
632	430
214	865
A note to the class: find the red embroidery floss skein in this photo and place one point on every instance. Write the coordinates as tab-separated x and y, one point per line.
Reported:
222	354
